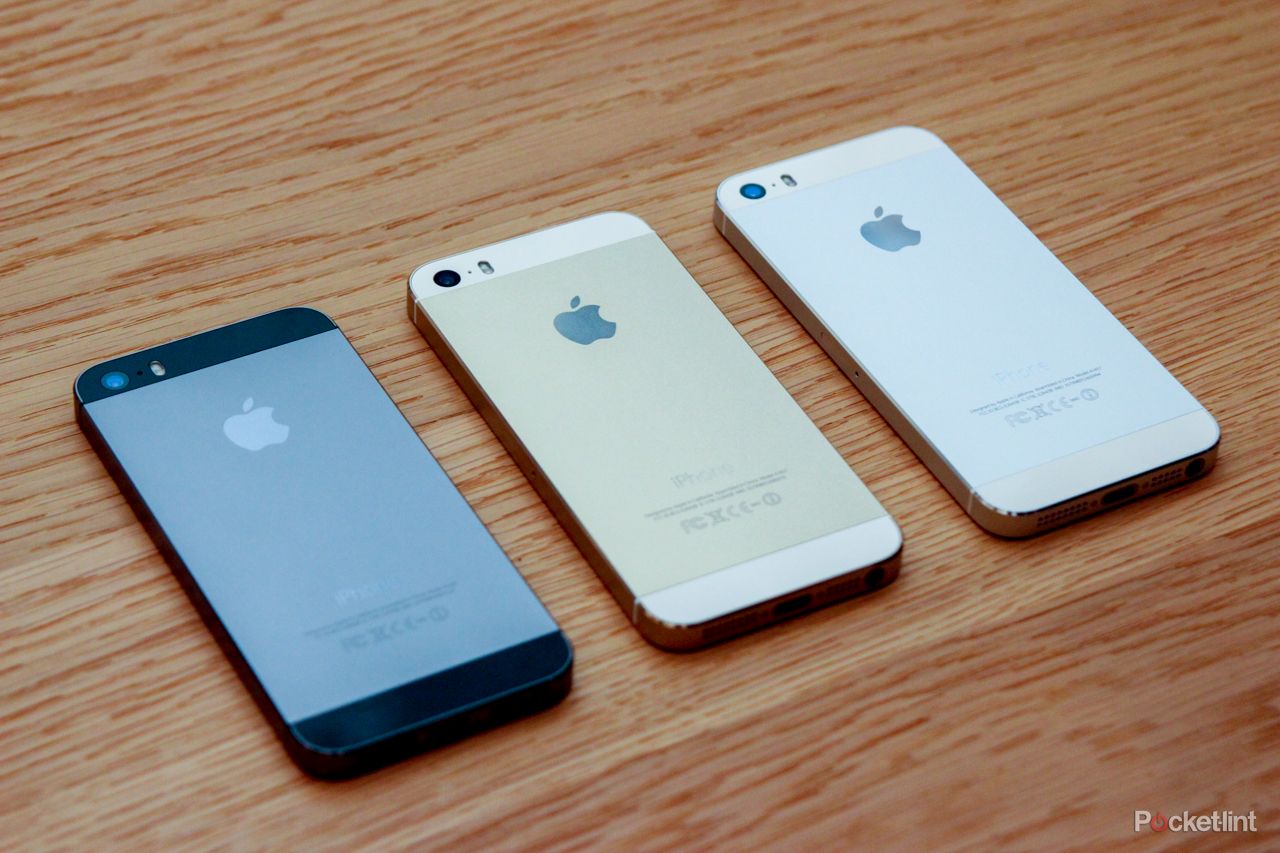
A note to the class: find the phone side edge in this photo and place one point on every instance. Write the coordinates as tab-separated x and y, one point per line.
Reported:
524	460
178	569
829	342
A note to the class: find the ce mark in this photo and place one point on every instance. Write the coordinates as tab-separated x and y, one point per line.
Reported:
732	511
729	512
1050	408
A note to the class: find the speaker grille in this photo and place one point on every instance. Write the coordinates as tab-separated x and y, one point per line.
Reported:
1164	478
1069	511
843	589
1155	482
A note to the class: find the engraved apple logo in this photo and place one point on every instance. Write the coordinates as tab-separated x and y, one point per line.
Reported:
889	233
254	429
583	325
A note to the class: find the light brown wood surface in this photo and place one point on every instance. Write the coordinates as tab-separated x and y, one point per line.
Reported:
168	167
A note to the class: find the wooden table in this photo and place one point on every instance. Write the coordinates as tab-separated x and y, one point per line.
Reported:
168	167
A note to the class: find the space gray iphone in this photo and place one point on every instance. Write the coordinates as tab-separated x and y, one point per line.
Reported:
1029	401
362	601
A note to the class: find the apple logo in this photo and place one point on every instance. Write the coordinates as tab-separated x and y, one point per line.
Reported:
254	429
584	325
889	233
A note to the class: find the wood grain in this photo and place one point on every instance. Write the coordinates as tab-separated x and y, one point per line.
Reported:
168	167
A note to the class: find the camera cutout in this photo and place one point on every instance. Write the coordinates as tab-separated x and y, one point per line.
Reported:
446	278
115	380
752	191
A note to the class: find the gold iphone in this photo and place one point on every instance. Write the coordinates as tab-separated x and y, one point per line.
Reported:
695	486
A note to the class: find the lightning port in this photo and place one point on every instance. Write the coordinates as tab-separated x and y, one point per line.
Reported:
793	605
1123	493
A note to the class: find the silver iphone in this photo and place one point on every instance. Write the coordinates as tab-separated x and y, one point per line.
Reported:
1030	402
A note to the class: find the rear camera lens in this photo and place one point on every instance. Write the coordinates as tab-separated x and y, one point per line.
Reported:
446	278
115	380
752	191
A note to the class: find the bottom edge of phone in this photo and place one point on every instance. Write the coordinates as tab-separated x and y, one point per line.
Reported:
415	740
684	638
1024	525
